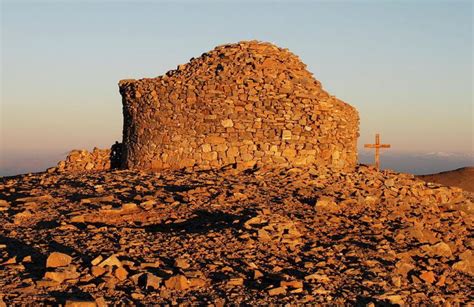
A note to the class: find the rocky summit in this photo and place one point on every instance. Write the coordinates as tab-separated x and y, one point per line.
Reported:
255	198
230	236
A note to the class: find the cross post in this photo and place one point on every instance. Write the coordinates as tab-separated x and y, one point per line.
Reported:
377	147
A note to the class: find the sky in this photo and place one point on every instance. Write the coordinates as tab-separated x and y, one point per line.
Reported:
405	65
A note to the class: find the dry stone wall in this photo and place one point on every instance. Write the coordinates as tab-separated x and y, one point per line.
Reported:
246	103
80	160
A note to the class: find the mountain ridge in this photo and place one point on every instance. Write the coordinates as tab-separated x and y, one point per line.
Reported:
462	177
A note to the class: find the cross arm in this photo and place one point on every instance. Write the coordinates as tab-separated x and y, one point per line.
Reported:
377	146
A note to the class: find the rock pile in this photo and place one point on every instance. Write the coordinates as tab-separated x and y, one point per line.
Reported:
226	236
97	160
249	103
83	160
279	231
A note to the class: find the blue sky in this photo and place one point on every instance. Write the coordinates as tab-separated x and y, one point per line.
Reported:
405	65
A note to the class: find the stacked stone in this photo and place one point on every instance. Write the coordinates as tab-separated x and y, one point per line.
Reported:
83	160
247	103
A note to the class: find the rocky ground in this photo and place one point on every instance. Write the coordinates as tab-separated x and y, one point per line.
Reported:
227	236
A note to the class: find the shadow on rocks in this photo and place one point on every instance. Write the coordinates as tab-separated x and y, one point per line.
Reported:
20	250
205	221
363	301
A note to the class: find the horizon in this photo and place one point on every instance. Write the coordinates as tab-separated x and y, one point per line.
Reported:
408	75
417	163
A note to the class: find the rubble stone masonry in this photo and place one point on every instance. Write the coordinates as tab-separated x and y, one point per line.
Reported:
246	103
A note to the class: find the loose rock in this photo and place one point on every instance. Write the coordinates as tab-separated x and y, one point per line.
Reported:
57	259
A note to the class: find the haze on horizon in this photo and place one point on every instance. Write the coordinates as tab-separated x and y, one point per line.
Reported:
406	66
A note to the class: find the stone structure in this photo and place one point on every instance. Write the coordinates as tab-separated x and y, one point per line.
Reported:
83	160
246	103
96	160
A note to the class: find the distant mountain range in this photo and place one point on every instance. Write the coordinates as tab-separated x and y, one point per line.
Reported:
414	163
443	154
419	163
